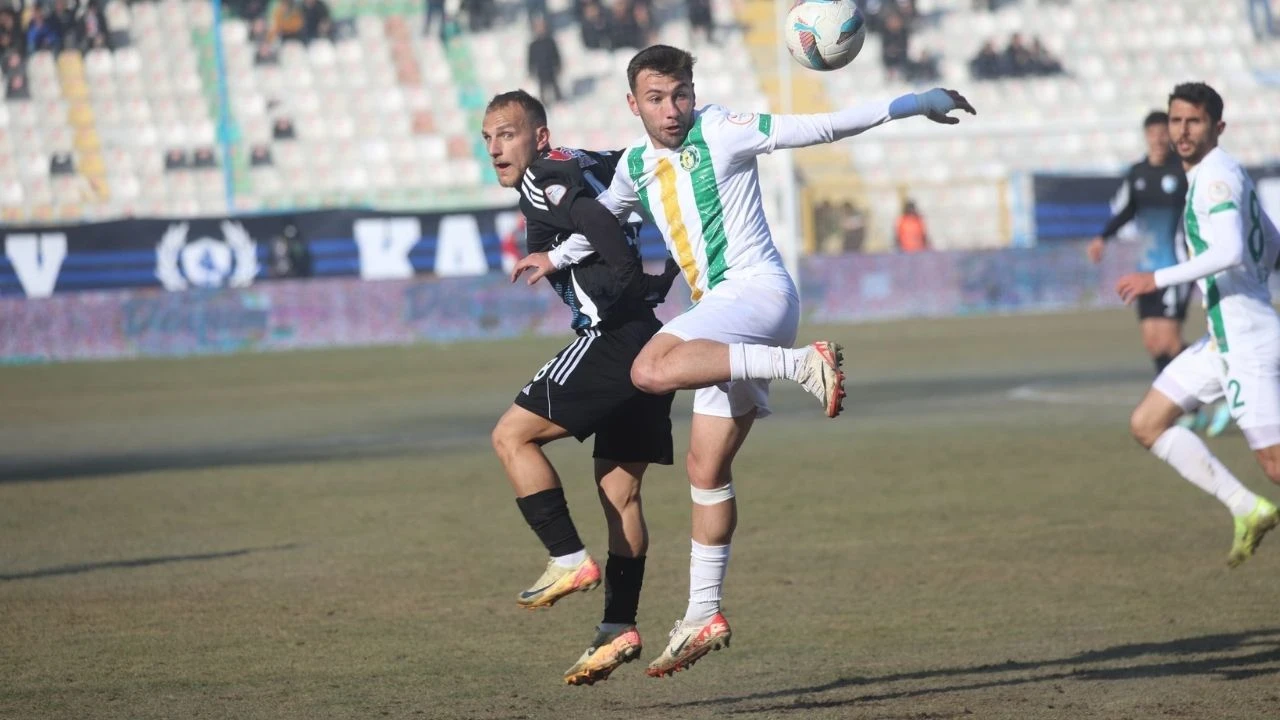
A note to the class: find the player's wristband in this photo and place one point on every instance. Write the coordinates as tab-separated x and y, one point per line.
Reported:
904	106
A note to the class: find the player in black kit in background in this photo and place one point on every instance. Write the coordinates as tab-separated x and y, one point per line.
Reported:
586	388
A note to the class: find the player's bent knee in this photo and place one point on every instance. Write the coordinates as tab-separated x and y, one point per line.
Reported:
1144	428
646	376
714	496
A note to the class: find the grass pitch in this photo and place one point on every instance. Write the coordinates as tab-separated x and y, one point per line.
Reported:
327	535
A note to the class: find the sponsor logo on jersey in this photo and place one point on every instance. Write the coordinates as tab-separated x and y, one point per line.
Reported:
1169	184
563	154
690	158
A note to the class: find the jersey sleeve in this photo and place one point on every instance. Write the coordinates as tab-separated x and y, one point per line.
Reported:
1127	203
621	197
1218	195
548	190
739	135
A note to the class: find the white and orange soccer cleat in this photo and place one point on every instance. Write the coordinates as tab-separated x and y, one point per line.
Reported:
608	652
556	582
689	643
821	375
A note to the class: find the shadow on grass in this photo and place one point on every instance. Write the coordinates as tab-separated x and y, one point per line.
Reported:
135	563
1236	656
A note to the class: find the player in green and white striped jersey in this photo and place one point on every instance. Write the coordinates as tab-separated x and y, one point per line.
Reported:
1234	248
694	172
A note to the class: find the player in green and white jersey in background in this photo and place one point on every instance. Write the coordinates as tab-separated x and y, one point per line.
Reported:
1234	248
694	171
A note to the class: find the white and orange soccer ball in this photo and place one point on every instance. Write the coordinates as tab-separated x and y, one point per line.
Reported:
825	34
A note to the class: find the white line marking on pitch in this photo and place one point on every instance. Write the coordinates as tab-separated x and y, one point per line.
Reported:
1034	394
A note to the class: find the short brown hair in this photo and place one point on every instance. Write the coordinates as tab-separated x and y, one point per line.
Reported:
1200	95
533	108
661	59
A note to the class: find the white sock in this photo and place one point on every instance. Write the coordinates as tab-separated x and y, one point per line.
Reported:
572	559
1182	449
707	566
762	362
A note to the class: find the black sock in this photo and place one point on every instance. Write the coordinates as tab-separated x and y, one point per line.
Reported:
1162	361
548	514
623	577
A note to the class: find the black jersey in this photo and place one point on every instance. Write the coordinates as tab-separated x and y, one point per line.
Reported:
1154	196
590	287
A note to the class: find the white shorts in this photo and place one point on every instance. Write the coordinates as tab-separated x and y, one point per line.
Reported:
1248	378
763	310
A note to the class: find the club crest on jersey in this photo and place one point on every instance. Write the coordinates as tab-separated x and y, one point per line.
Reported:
690	158
742	118
1169	184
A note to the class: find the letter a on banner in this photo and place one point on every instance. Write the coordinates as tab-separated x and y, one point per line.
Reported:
458	248
36	260
384	245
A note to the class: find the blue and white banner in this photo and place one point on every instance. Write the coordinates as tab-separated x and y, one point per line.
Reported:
237	252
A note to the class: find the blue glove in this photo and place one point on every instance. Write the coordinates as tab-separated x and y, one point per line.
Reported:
936	100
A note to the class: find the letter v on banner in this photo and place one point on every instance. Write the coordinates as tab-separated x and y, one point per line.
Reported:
384	245
36	260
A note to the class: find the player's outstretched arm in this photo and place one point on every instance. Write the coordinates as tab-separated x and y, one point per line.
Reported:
795	131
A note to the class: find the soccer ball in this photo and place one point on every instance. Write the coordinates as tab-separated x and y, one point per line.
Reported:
825	34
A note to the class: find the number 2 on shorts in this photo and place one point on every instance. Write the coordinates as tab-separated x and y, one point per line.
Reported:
1233	389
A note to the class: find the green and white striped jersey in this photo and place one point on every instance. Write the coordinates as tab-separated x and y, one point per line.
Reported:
705	196
1237	300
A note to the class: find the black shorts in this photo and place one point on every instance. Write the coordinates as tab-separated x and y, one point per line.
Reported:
586	389
1169	303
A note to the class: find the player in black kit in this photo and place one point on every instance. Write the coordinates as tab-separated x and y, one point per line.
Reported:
586	388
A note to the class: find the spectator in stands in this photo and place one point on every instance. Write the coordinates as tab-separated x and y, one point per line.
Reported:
1042	62
16	87
290	256
266	53
922	68
911	234
987	64
259	31
282	129
248	9
204	158
63	17
317	23
176	160
595	26
11	39
625	30
92	25
853	224
260	156
480	14
42	33
288	22
61	163
13	63
544	62
701	18
894	43
1018	61
535	9
435	12
1261	19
